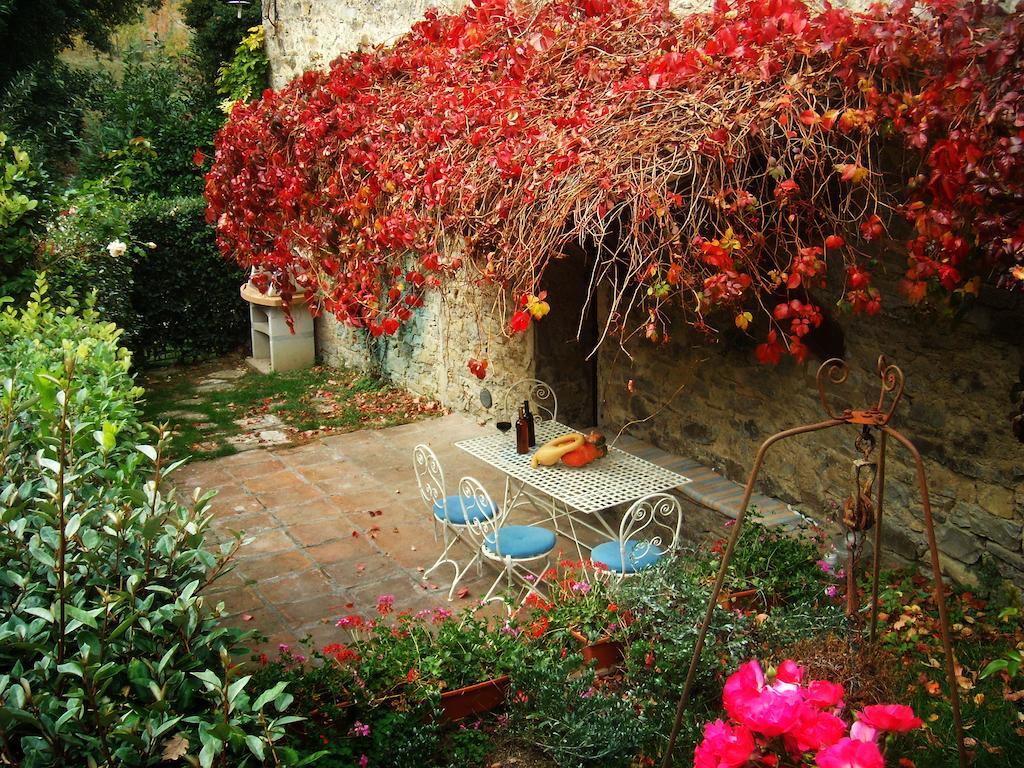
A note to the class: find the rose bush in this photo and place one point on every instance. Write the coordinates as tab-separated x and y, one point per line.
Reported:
787	721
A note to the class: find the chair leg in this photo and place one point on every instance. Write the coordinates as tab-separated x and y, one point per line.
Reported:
460	573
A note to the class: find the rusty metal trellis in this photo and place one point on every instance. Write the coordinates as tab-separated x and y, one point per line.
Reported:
835	372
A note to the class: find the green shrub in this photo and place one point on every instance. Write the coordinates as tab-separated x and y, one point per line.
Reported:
184	293
109	655
216	29
162	101
44	108
245	75
155	268
18	215
577	721
82	251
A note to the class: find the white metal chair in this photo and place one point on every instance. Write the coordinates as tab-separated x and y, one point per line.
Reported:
541	396
514	546
648	531
447	512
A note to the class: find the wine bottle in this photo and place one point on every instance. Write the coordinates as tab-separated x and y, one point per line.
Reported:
530	423
522	433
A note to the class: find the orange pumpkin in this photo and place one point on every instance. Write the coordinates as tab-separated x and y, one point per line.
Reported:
593	448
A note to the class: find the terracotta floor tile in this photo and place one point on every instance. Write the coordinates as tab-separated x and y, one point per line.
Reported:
357	572
226	582
267	542
344	548
331	471
282	479
256	469
321	531
238	600
275	565
290	497
249	522
294	587
318	609
304	567
317	509
234	505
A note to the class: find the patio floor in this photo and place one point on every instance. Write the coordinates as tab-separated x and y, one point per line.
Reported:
334	524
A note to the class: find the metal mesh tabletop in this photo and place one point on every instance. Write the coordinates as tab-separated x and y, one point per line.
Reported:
617	478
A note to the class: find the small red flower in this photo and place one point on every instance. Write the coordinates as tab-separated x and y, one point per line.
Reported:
198	158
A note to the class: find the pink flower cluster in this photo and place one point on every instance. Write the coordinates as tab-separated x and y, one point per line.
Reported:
796	721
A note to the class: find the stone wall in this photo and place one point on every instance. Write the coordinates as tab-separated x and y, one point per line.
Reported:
310	34
714	403
428	355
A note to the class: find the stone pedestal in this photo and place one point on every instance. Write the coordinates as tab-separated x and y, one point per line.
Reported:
275	347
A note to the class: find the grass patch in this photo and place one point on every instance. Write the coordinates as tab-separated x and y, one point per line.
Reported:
308	403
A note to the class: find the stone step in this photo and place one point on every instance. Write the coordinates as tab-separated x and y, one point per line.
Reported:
710	489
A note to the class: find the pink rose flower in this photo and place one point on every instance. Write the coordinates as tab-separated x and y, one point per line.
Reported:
898	718
724	746
767	711
742	686
824	694
814	730
850	753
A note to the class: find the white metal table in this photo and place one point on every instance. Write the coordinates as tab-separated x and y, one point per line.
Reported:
577	493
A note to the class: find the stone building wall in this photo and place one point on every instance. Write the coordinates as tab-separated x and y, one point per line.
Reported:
724	405
714	403
428	355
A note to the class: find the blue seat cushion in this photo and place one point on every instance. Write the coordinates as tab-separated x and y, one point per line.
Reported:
521	541
457	516
639	555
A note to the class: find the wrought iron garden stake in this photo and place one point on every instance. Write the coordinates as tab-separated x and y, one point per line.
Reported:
877	418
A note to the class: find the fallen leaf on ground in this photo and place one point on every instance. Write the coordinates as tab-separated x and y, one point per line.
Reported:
463	593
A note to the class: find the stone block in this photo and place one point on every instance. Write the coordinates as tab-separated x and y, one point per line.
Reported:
958	544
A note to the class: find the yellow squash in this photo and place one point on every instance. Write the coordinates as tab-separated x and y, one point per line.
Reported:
553	450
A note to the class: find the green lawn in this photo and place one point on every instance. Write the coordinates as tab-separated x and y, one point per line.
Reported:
308	403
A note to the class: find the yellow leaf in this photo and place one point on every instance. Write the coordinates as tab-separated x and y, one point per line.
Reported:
537	307
743	320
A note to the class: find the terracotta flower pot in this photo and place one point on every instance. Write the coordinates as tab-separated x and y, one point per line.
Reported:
474	699
606	654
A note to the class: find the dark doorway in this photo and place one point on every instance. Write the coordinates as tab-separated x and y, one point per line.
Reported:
562	342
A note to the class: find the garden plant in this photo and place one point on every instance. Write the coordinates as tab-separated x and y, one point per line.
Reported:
731	163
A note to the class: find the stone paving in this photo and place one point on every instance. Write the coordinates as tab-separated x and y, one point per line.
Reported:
334	524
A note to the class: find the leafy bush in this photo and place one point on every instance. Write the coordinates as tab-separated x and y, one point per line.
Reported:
44	108
577	721
18	207
154	266
162	101
184	293
80	252
108	654
246	74
216	30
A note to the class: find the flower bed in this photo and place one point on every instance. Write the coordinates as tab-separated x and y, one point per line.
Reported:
822	695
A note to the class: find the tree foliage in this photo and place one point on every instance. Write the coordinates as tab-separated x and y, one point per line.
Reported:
34	31
216	30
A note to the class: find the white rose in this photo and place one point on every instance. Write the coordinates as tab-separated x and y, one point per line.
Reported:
151	245
116	248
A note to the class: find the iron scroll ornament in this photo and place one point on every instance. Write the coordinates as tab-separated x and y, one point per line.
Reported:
835	371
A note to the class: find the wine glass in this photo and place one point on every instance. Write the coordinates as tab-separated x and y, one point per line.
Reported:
503	426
